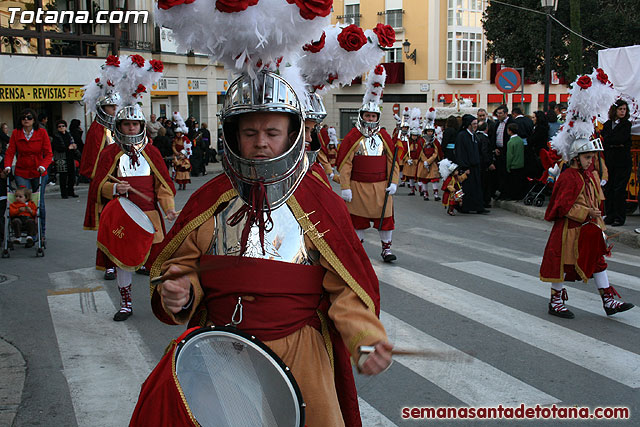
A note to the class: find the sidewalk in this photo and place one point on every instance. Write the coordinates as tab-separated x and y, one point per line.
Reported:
627	234
12	371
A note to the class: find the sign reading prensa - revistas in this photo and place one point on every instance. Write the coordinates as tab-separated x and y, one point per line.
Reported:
18	93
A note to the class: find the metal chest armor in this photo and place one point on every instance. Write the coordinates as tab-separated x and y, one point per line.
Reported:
284	242
370	146
127	168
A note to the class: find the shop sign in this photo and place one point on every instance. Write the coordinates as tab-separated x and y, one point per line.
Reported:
196	85
17	93
165	86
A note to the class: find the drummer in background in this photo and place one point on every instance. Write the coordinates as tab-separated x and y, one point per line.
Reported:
319	274
139	165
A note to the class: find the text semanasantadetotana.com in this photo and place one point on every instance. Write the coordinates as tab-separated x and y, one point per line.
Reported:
518	412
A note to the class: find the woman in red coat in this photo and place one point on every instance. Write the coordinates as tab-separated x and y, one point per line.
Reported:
31	145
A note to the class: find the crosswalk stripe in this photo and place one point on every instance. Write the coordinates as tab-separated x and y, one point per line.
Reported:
475	383
372	417
616	278
584	300
605	359
625	280
103	364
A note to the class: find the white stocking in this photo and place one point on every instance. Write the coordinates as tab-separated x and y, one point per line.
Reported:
557	287
602	280
435	186
385	235
124	277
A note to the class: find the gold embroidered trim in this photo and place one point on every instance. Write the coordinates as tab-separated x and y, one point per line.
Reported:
327	252
317	175
327	338
175	243
177	383
117	262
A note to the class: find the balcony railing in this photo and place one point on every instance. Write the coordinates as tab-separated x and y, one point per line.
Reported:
392	17
135	44
352	18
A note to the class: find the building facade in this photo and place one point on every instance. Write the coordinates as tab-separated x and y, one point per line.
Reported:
446	60
44	66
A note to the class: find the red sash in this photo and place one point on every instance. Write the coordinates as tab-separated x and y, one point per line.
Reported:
143	184
369	168
286	295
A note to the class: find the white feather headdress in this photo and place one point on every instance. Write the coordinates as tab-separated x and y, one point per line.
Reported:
246	36
446	168
131	76
414	121
430	119
180	124
333	136
375	85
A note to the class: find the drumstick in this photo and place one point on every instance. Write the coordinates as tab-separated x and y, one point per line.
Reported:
133	190
453	356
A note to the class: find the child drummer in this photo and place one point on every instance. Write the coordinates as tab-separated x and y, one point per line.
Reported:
452	185
130	164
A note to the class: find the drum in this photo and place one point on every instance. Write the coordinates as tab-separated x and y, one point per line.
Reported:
125	233
229	378
457	196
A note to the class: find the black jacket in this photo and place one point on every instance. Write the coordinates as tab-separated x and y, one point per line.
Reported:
467	151
525	126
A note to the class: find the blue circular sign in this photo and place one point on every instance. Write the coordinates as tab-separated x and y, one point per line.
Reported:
508	80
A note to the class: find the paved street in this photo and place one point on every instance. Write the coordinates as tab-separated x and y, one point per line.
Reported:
466	285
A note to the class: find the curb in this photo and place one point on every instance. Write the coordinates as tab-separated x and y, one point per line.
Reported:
627	236
12	371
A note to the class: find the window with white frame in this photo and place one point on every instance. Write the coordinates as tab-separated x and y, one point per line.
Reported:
394	55
464	39
394	18
352	14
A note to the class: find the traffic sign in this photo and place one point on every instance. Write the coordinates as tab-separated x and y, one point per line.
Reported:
396	108
508	80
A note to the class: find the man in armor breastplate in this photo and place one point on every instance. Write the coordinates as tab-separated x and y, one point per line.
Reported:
137	165
364	163
279	240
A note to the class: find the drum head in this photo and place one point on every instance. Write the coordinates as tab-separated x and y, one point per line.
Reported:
231	379
137	215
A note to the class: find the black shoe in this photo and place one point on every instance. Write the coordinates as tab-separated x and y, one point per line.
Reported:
624	307
29	243
389	257
142	270
564	314
617	223
74	195
484	211
110	274
608	220
122	315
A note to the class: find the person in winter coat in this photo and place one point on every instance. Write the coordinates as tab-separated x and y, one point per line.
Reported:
65	154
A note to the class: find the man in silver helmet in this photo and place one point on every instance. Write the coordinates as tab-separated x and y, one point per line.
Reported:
98	137
282	247
134	169
365	163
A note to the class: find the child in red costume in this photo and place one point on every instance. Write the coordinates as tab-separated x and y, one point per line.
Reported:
452	185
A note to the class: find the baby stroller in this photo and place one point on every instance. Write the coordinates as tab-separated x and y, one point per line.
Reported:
9	236
542	186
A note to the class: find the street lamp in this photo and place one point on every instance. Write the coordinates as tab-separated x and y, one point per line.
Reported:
405	47
548	6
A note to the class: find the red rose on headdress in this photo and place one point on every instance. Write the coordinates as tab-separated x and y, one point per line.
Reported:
379	69
584	82
571	124
315	47
113	60
110	83
318	87
141	89
168	4
352	38
138	60
331	78
309	9
156	65
386	35
432	109
230	6
97	80
602	76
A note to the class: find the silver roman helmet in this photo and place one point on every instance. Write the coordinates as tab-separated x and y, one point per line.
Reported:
130	144
267	92
368	129
314	110
102	117
584	145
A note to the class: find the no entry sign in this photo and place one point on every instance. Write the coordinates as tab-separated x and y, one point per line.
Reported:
508	80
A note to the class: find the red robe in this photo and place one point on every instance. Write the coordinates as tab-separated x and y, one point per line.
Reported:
354	136
590	245
313	195
323	137
94	143
106	165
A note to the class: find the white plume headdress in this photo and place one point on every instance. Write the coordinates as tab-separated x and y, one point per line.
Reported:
446	168
374	85
591	97
131	76
430	119
414	121
333	136
343	53
180	124
245	36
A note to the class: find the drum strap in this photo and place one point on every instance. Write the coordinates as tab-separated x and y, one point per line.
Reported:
282	297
